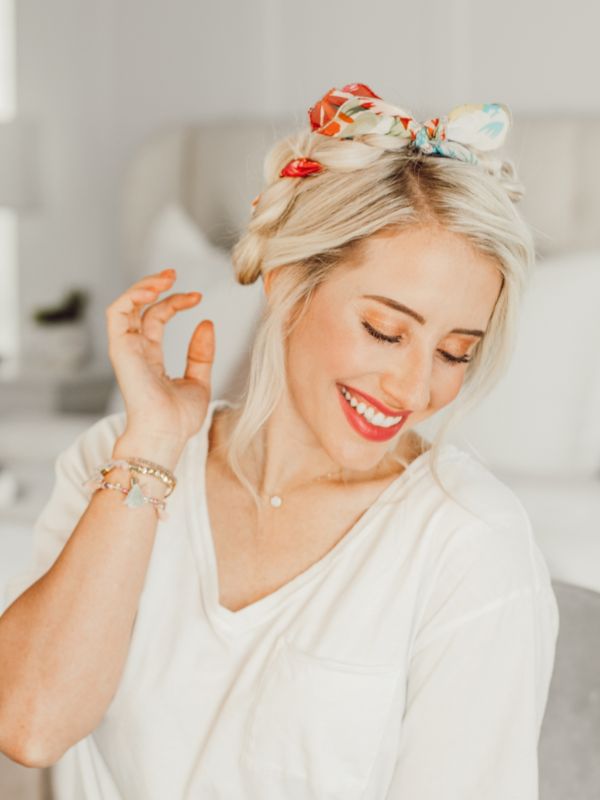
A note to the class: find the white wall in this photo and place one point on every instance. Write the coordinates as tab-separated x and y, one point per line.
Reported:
102	76
66	72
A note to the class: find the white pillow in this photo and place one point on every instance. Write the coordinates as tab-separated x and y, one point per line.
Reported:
544	416
174	240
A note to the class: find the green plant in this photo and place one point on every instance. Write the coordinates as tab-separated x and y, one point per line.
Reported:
70	309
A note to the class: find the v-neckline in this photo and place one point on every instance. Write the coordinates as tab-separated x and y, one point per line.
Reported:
203	541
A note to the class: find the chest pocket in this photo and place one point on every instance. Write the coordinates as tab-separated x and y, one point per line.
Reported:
319	721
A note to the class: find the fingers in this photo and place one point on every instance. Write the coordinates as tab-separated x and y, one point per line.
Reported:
125	317
124	314
201	352
155	318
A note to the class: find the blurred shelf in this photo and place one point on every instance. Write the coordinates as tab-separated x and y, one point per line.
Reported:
27	387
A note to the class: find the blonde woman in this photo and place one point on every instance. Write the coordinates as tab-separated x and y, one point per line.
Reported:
334	607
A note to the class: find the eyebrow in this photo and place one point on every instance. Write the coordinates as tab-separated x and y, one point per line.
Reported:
388	301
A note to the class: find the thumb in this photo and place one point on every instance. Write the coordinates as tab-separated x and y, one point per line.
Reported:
201	352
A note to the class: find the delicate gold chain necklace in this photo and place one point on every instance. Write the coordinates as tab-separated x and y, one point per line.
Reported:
276	500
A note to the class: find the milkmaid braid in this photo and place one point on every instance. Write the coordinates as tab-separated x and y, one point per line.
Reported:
356	165
278	199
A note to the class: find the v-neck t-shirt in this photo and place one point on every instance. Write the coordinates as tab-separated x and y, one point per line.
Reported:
413	660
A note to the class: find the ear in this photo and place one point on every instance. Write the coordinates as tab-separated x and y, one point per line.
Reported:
267	282
268	279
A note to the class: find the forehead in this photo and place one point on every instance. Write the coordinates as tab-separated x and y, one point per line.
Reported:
436	272
426	261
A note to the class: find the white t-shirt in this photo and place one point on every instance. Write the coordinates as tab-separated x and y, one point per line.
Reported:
412	662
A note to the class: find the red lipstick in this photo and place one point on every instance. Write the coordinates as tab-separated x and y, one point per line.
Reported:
372	401
362	425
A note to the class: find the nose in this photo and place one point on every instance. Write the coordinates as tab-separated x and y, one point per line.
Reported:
407	384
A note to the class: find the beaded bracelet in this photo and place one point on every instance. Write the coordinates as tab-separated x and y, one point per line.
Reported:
146	468
135	497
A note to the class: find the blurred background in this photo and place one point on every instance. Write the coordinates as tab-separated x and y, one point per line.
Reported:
131	139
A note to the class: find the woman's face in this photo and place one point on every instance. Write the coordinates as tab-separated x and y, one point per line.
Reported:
426	289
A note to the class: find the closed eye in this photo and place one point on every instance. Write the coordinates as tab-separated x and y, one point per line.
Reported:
378	335
395	339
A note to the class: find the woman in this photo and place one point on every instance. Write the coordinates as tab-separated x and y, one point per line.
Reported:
334	607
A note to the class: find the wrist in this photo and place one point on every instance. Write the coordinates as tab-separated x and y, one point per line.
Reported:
162	451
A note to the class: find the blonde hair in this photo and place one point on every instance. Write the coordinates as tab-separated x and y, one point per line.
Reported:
315	225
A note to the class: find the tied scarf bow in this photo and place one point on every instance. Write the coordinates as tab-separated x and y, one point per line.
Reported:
356	110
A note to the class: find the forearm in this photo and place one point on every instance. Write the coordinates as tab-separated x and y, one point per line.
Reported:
64	641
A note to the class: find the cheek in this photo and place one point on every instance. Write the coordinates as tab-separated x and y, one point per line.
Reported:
447	385
320	344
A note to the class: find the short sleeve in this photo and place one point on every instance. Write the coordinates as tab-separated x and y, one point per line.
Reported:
68	499
479	674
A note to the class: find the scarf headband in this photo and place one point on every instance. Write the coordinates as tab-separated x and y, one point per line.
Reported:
356	110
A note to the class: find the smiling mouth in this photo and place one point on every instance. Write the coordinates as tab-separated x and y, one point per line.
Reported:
371	409
368	418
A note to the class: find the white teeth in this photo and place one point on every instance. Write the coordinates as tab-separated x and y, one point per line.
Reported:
375	417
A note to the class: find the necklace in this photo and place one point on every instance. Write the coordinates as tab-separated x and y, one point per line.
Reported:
276	500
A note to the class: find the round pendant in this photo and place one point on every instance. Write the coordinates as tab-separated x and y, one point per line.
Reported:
276	501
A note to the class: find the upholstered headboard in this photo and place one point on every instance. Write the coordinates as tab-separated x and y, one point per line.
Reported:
214	170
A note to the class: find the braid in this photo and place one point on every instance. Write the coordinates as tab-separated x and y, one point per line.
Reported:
275	203
278	197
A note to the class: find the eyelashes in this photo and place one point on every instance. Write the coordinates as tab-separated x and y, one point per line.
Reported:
378	335
395	339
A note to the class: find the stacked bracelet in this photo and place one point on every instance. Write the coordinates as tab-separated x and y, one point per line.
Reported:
135	497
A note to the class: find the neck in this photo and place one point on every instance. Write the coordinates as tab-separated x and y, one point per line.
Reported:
284	454
288	455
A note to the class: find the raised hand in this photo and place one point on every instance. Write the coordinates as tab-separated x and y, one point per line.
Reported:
156	404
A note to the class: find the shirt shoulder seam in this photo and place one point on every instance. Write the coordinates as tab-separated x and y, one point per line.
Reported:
489	607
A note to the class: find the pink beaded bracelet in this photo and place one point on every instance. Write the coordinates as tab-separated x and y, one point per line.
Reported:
135	497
